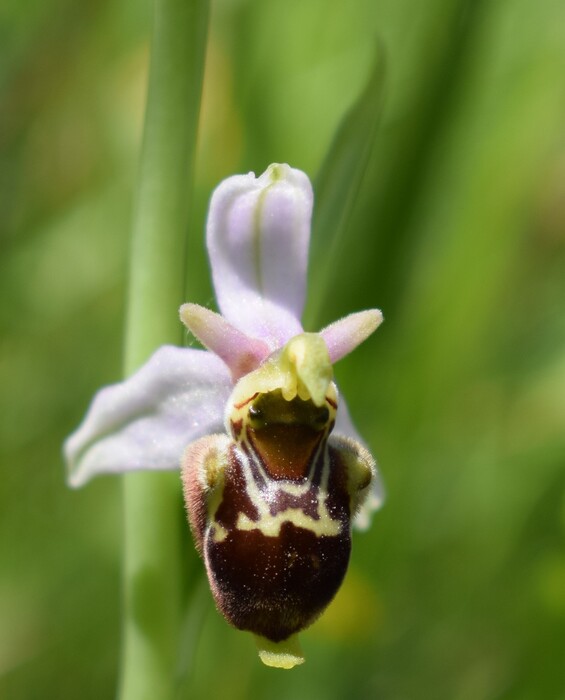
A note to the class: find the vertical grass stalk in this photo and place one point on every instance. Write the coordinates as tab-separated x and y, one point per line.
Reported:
152	565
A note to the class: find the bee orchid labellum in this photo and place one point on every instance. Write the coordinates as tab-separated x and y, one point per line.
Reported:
273	471
271	506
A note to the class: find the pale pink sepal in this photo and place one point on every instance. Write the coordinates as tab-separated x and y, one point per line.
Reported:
258	234
148	420
241	353
345	335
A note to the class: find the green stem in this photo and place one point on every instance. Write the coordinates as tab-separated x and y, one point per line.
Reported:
152	564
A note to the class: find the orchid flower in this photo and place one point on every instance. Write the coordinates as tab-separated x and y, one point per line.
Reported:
274	473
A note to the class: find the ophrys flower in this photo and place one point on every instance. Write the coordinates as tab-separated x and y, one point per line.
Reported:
273	471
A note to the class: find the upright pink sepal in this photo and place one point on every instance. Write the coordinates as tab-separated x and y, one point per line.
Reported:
257	235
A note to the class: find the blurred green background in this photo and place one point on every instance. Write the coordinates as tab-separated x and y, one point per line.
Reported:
457	233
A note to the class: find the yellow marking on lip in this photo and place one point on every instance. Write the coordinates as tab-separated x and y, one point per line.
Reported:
218	532
270	525
293	489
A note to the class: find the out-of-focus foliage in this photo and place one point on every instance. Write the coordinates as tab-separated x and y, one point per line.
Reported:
457	233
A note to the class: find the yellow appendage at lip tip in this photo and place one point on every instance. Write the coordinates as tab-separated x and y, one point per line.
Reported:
286	654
